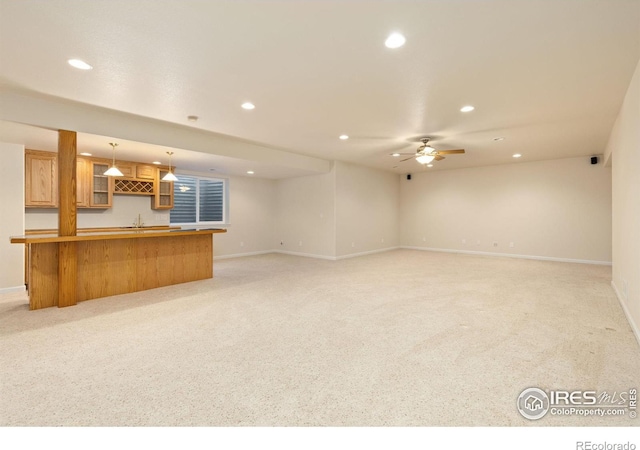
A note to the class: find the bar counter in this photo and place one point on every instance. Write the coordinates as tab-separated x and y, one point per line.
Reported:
64	270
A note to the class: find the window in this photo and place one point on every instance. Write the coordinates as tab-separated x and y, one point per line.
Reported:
198	200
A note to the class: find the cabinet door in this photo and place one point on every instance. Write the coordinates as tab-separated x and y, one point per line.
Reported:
145	172
82	183
128	169
41	179
163	192
101	194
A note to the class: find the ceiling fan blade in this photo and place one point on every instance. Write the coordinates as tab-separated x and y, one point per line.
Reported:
449	152
395	154
438	158
407	159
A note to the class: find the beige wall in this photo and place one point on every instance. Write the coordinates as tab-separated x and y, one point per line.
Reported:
12	223
251	218
366	210
559	209
305	215
624	148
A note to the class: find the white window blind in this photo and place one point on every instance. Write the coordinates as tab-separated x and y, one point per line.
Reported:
198	200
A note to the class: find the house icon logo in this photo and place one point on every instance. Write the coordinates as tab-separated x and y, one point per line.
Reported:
533	403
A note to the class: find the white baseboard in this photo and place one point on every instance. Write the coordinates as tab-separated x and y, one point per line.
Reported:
510	255
10	290
336	258
633	325
241	255
371	252
306	255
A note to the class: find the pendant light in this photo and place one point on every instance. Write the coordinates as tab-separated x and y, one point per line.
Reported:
169	176
113	170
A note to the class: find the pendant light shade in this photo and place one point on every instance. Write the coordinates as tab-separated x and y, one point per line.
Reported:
113	170
169	176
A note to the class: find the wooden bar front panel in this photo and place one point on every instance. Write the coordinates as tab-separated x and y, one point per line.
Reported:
43	277
120	266
106	268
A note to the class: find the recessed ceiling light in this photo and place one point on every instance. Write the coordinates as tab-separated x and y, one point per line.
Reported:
498	139
395	40
85	154
192	118
395	154
250	172
517	155
429	165
157	163
467	108
248	105
344	137
79	64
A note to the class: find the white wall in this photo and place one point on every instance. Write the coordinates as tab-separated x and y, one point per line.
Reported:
305	215
366	209
252	205
551	209
12	223
624	147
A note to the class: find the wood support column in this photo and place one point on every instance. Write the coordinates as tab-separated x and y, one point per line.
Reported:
67	218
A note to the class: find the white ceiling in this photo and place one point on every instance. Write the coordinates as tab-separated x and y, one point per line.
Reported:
548	76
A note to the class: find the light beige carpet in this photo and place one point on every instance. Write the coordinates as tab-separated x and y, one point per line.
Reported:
402	338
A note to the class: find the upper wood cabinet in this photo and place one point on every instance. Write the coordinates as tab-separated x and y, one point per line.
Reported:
136	171
101	185
83	184
41	179
93	188
145	172
163	191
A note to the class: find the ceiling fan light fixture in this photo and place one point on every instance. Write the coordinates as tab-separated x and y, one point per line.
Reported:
425	159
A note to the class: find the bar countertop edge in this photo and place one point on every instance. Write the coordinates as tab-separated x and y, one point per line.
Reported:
132	234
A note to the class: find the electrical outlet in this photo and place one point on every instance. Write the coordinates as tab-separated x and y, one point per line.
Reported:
353	244
241	244
382	241
464	242
281	243
511	244
300	243
477	242
495	244
424	239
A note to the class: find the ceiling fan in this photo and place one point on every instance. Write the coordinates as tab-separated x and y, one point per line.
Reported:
425	153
